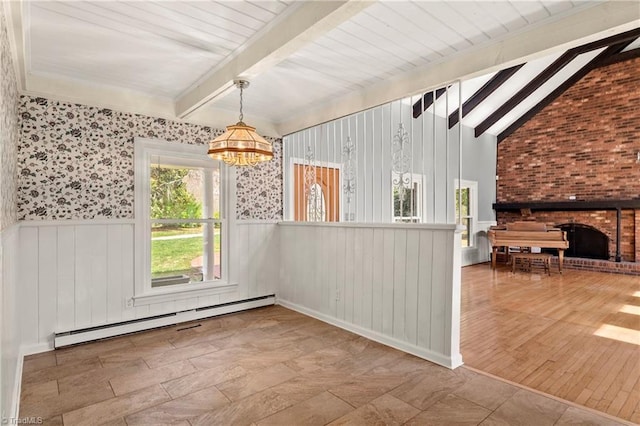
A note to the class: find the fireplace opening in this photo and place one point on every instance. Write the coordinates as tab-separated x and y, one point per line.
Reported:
585	241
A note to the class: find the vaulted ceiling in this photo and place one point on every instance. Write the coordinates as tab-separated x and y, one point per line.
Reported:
308	62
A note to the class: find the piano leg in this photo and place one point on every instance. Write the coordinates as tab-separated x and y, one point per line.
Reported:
560	259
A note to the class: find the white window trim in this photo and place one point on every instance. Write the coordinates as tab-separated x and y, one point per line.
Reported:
473	199
420	179
144	149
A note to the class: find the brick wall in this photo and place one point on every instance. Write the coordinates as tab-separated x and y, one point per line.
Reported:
584	144
604	220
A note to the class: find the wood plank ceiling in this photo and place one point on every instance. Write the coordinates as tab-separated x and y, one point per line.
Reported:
307	61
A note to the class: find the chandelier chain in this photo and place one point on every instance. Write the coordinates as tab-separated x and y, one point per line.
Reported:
241	115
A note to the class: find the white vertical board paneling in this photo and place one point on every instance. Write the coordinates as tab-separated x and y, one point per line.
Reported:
264	256
315	295
332	275
256	236
454	291
393	283
341	271
162	308
286	255
28	293
438	292
367	278
356	294
91	275
377	279
13	313
47	286
324	279
387	281
127	246
349	276
81	275
399	283
411	288
434	161
114	273
66	249
240	253
425	276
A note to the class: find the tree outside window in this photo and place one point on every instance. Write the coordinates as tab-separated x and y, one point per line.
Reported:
185	241
463	210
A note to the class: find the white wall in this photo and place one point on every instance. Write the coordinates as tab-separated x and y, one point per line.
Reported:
435	155
397	284
11	313
78	274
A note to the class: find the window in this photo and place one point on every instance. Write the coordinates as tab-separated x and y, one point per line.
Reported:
466	207
184	222
407	198
180	219
316	206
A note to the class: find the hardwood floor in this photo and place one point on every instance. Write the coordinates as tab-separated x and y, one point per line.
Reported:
269	366
575	336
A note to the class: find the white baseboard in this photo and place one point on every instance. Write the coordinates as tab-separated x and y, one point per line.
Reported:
81	336
437	358
17	386
37	348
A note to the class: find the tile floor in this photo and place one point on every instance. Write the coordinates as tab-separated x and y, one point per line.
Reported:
270	366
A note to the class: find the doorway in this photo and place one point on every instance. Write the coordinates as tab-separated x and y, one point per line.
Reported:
316	193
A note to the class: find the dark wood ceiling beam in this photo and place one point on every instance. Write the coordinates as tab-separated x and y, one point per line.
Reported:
527	90
426	102
605	55
483	93
620	57
550	71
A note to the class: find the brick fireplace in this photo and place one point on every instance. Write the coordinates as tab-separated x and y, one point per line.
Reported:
576	162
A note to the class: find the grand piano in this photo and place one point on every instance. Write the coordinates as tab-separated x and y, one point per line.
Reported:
528	234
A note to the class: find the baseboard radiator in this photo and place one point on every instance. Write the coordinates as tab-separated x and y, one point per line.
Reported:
117	329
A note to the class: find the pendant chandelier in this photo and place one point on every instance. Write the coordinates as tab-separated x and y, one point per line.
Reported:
240	145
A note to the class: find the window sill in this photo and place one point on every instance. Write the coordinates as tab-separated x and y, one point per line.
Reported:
194	290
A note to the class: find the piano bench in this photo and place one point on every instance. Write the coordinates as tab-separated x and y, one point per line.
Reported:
544	257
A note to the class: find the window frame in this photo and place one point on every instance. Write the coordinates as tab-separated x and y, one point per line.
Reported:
416	178
189	156
473	208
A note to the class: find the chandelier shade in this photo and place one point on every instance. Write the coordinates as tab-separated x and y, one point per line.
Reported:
240	145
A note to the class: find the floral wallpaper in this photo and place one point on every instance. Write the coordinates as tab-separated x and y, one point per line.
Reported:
9	131
76	162
256	187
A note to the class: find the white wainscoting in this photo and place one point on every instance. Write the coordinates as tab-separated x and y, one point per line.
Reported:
11	315
79	274
399	285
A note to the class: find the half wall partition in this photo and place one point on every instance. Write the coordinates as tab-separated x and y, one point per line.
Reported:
370	241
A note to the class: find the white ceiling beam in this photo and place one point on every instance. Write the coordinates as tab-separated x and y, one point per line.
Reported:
308	21
590	24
